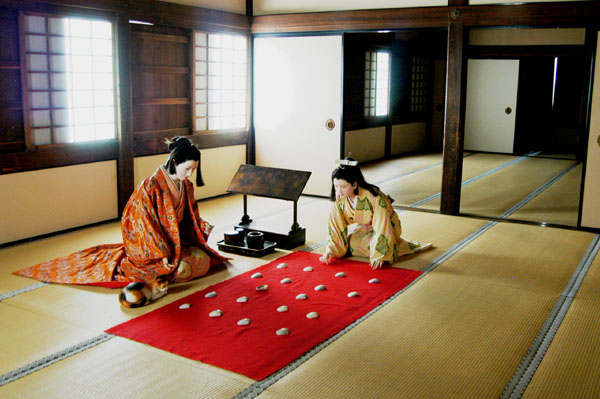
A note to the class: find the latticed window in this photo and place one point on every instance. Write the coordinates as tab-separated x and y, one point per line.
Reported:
70	84
418	93
220	81
377	83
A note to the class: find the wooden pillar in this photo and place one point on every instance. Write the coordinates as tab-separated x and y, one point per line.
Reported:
125	162
454	115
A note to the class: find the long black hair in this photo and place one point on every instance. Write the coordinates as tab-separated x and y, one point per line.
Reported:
349	171
182	150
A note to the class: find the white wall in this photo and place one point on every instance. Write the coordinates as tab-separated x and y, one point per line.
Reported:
44	201
51	200
590	212
218	168
366	144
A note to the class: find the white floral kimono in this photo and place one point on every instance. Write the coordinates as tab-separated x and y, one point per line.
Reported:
371	228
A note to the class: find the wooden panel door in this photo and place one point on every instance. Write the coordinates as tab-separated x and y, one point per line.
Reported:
297	89
160	87
491	105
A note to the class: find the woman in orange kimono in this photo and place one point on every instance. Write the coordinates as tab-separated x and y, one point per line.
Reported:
164	238
362	221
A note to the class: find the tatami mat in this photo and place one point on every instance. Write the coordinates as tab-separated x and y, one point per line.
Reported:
520	256
379	172
444	338
416	187
495	194
120	368
441	230
28	336
503	181
571	366
459	333
28	254
558	204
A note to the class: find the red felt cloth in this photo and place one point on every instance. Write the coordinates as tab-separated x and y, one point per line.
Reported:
255	350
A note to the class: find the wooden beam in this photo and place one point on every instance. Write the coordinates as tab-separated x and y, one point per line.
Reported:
558	14
455	117
398	18
171	14
72	154
125	162
156	12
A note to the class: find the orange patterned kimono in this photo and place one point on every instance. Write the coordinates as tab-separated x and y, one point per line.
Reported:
158	234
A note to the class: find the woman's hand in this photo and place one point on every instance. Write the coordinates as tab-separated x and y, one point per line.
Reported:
376	264
326	258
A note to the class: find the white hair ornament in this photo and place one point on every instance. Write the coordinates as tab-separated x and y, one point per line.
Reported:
346	162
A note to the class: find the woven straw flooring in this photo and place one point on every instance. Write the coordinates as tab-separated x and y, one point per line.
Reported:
460	331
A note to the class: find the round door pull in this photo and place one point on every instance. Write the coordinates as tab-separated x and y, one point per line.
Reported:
330	124
508	110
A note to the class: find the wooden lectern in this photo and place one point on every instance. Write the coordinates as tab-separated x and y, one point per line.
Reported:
284	184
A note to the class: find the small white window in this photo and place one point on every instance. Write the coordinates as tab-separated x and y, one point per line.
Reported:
220	81
70	80
377	83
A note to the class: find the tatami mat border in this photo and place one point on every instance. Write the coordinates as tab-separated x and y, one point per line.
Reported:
53	358
314	247
22	290
536	192
524	373
481	176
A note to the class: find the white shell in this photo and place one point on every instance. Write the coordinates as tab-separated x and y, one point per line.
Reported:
242	299
244	322
282	331
308	269
263	287
353	294
320	287
374	281
282	308
340	274
286	281
301	296
312	315
216	313
211	294
256	275
281	266
185	306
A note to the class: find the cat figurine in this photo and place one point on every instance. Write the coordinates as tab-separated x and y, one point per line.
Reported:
138	294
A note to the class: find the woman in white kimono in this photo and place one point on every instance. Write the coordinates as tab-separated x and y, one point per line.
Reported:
362	221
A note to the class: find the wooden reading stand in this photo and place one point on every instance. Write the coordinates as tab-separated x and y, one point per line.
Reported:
284	184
